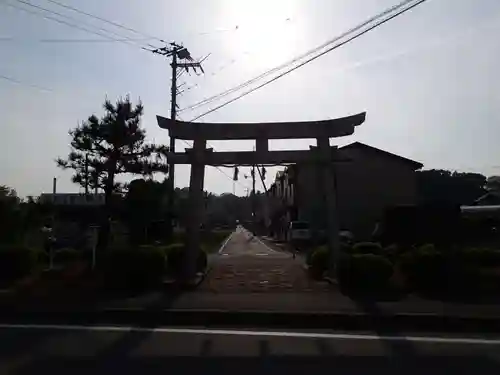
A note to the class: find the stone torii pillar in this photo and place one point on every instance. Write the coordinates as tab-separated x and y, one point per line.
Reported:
196	205
327	174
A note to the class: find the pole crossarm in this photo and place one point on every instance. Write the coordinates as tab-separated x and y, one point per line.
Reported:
279	130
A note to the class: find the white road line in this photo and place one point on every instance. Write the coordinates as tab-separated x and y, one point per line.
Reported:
263	244
333	336
226	241
267	247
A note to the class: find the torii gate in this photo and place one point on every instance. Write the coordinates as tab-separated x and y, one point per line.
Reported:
199	156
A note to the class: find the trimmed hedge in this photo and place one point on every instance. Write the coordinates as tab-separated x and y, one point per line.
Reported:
480	257
425	268
452	273
17	261
367	248
139	267
175	257
211	240
364	273
318	261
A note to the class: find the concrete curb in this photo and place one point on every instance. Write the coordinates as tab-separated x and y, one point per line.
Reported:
251	319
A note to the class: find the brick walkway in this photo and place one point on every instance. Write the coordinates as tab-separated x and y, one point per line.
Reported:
246	265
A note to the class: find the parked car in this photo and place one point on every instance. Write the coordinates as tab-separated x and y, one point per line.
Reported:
298	231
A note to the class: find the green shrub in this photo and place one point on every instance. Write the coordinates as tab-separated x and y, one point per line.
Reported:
395	251
318	261
133	268
17	261
309	254
425	268
175	258
67	255
480	257
212	240
367	248
364	272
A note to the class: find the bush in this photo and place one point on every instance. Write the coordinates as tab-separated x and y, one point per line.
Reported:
134	268
392	252
480	257
367	248
175	257
17	261
318	261
212	240
425	268
364	273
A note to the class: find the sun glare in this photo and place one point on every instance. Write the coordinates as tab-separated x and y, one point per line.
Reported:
267	31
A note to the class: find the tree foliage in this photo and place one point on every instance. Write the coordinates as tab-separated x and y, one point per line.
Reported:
493	185
103	148
438	185
146	210
10	215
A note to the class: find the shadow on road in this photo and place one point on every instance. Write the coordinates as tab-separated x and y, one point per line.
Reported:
276	365
109	359
399	349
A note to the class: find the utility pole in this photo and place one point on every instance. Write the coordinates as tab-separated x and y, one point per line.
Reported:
235	178
254	217
86	175
262	175
177	52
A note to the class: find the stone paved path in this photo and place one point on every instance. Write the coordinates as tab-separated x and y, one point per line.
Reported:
247	265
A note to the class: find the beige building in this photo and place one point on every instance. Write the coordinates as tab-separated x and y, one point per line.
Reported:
371	181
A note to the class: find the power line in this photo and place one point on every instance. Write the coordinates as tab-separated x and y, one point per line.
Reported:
116	24
310	59
14	80
226	65
13	39
128	41
298	58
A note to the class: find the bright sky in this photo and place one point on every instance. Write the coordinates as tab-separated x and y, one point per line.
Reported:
428	79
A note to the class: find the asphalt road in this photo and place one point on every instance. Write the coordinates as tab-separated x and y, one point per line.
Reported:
102	350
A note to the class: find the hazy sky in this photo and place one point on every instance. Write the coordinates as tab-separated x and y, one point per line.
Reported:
428	79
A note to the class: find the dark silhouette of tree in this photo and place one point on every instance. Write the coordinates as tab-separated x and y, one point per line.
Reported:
146	210
443	186
10	215
102	149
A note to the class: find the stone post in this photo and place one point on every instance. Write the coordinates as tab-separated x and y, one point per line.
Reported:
328	186
195	214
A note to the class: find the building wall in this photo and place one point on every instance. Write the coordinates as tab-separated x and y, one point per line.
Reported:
72	199
366	186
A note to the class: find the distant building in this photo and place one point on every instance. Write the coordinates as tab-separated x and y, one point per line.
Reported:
73	199
371	181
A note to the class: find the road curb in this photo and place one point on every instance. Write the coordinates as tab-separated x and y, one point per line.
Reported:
251	319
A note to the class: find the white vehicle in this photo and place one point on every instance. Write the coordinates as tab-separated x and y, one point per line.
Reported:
298	231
